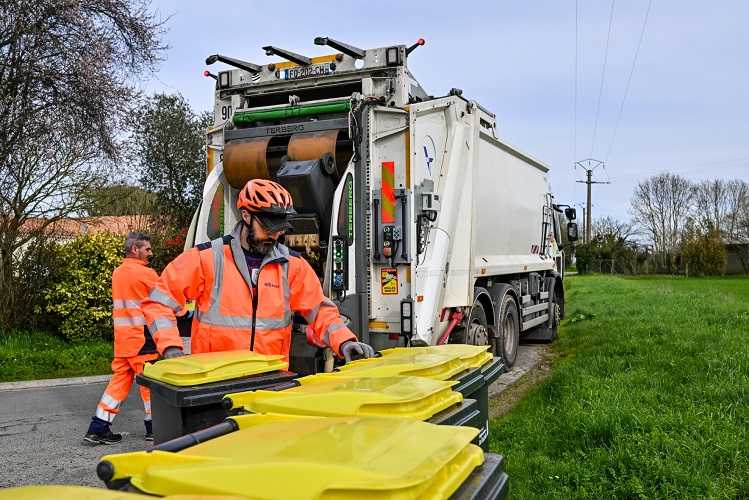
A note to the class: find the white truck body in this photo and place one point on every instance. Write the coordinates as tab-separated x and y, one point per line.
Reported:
413	211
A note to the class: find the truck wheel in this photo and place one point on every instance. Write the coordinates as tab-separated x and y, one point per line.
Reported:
556	318
509	331
478	329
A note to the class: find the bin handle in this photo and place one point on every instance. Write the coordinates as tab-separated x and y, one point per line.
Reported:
188	440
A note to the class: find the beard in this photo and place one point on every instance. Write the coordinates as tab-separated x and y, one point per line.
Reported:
257	245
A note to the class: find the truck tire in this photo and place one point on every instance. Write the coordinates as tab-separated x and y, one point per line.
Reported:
556	317
555	309
509	331
477	328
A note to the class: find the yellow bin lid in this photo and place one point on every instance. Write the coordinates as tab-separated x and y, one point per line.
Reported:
475	355
416	363
209	367
320	458
413	398
62	492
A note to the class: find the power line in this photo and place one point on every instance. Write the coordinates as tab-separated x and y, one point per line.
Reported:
691	170
603	77
631	71
575	146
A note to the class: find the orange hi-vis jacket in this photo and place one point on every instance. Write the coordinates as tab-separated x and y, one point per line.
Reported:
216	276
131	282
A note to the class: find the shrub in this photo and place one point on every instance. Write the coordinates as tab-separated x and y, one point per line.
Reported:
26	283
82	295
703	251
167	246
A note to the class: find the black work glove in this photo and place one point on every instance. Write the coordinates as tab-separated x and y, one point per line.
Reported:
173	352
351	348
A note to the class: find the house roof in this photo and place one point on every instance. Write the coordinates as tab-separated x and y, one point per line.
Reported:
122	224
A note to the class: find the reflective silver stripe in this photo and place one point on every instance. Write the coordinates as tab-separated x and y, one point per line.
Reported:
243	322
162	298
148	416
334	327
217	249
272	323
331	329
139	321
126	304
286	288
311	316
161	323
238	255
105	415
147	406
110	402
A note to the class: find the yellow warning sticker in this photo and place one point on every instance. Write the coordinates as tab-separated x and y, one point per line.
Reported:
389	280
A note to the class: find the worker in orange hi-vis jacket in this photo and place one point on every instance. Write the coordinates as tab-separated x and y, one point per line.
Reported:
246	287
133	344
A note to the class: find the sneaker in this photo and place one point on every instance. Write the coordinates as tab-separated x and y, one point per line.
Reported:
149	437
104	437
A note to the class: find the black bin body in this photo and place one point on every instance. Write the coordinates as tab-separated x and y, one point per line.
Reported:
305	359
465	414
487	482
470	384
489	372
180	410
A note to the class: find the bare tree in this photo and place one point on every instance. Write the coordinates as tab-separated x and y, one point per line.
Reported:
737	217
69	76
711	205
610	228
660	206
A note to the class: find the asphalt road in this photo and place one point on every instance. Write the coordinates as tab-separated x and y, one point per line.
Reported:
42	425
41	431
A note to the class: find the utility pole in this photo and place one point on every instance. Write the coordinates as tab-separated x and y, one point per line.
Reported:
589	170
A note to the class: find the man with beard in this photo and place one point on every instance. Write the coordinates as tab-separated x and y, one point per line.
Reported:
246	287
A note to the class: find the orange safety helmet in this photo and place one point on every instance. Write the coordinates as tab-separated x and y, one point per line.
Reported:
263	196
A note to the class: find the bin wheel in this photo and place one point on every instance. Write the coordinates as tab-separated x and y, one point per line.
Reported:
509	331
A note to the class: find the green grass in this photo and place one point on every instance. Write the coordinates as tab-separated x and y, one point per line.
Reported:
38	355
647	398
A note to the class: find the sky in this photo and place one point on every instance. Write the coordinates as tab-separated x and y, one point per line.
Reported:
626	89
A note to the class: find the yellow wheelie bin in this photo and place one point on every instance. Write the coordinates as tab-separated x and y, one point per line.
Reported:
186	392
270	457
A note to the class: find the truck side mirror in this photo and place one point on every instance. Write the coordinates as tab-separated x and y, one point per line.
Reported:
570	213
572	231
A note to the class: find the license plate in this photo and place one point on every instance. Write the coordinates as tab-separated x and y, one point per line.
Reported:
304	71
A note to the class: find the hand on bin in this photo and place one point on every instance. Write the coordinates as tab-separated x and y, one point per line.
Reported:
173	352
351	348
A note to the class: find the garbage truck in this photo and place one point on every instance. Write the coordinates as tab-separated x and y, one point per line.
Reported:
424	226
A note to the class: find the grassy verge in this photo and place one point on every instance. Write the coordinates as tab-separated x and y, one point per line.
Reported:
647	398
37	355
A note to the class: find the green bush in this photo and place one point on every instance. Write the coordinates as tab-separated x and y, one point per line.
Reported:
25	283
82	295
703	253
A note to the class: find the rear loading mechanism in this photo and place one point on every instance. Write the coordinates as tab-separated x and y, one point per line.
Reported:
407	204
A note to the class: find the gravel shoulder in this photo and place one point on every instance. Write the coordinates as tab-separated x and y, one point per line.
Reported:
532	366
